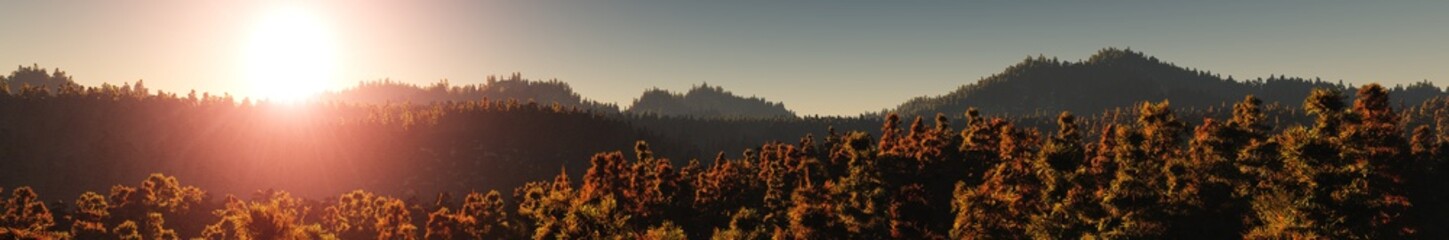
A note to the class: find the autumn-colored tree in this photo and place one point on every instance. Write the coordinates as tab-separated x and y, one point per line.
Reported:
1327	105
980	141
858	199
277	215
362	215
665	231
777	170
932	163
600	218
811	217
25	211
1374	203
1426	183
480	217
890	133
26	216
726	186
158	194
1067	204
1064	151
1204	184
1338	172
744	223
155	228
543	206
607	175
90	216
853	204
1138	197
655	191
1012	194
128	230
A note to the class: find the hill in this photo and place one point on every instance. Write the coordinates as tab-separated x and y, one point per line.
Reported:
1120	77
706	101
36	77
514	87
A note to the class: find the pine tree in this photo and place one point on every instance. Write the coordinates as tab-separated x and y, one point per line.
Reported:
1374	206
1327	105
92	210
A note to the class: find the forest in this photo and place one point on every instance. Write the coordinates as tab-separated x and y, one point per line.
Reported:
1356	168
723	120
1115	77
1169	153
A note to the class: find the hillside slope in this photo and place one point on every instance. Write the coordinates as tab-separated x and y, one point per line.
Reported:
706	101
1120	77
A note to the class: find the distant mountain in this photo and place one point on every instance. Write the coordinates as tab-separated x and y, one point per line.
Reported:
35	76
1120	77
706	101
514	87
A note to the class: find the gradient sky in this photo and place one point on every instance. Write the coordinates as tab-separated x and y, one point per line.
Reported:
818	57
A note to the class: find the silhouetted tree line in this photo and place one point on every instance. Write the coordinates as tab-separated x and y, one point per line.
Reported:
1359	169
79	138
711	135
1030	93
512	87
1120	77
35	77
704	101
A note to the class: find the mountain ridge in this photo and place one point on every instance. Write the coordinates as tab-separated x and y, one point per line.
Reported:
512	87
1108	79
1118	77
705	101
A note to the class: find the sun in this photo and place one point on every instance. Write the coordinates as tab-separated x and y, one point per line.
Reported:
290	56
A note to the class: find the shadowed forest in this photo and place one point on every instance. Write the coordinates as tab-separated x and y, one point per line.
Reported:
1191	155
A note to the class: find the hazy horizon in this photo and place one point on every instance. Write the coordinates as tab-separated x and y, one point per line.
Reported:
855	56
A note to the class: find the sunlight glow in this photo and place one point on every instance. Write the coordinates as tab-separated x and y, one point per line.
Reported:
291	56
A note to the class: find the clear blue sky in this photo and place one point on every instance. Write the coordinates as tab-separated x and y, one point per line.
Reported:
818	57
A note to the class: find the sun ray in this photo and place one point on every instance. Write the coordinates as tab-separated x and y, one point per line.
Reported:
291	56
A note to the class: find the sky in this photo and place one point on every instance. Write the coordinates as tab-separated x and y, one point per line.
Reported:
817	57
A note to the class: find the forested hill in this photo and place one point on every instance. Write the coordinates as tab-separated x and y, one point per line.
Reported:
1120	77
36	77
703	101
706	101
514	87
